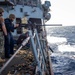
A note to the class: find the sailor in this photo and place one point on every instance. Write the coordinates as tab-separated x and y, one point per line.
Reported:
2	30
9	41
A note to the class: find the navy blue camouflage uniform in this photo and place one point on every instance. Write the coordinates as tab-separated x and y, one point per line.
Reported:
8	40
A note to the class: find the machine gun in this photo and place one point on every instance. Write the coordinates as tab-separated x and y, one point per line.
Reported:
33	23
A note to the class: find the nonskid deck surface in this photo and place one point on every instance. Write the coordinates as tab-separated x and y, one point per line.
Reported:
23	63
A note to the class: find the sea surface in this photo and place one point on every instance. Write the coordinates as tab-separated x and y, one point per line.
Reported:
62	41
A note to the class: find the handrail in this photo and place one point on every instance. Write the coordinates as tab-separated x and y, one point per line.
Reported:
38	52
23	44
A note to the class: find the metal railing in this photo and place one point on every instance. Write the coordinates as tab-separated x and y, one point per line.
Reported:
38	54
38	51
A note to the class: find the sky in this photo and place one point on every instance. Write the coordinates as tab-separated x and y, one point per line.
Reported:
62	12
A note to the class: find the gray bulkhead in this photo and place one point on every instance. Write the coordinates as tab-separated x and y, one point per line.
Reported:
32	12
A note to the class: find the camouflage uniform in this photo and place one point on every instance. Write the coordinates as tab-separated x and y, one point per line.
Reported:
1	42
1	35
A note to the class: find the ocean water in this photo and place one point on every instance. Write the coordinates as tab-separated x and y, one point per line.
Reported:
62	41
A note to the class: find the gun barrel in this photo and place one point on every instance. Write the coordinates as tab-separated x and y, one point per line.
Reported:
26	25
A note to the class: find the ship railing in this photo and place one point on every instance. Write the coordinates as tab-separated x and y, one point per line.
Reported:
27	2
39	53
